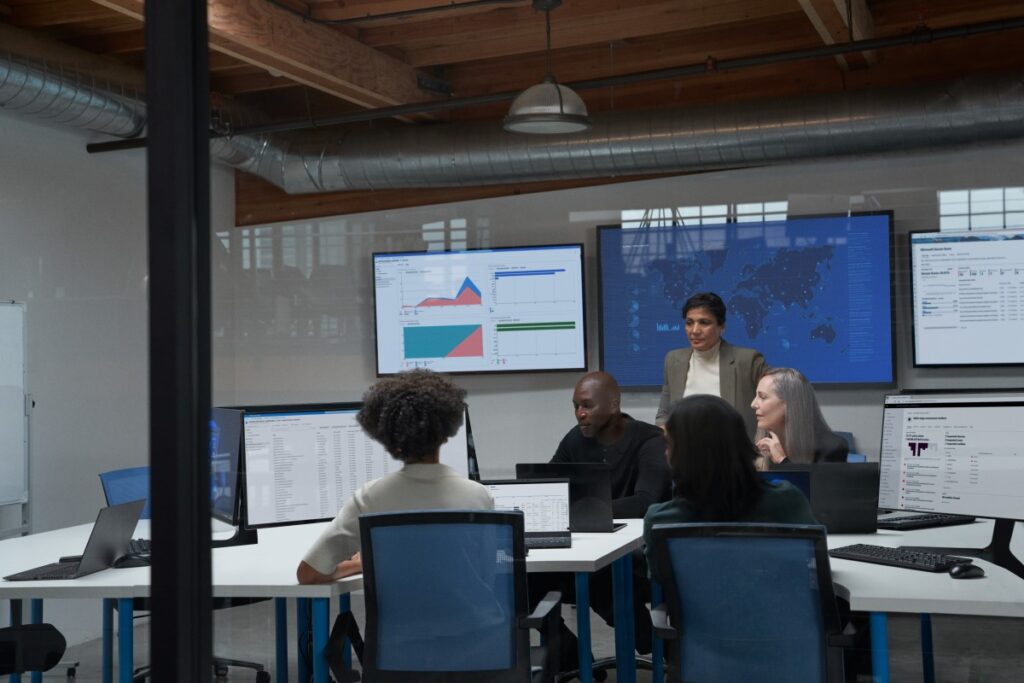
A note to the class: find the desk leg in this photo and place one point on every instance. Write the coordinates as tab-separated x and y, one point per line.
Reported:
15	621
880	647
281	640
125	641
321	624
927	649
108	640
583	626
657	645
302	614
345	605
36	617
625	638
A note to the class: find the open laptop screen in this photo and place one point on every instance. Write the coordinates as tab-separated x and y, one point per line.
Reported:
545	504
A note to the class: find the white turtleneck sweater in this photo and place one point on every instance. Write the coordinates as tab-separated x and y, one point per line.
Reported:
703	375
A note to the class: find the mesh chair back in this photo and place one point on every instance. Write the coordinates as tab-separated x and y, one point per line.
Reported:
123	486
445	594
748	600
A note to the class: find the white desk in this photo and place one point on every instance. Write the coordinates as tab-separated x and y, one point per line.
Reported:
880	589
267	569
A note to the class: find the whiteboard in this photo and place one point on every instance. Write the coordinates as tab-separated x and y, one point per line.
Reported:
13	421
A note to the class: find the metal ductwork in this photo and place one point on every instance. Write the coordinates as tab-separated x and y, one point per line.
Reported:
68	97
974	109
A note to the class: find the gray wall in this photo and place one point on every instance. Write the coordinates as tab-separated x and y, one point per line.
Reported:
522	417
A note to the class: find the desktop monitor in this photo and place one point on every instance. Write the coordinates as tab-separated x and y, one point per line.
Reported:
304	462
227	502
959	454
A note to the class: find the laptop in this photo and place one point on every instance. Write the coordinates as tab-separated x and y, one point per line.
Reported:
545	507
844	496
108	541
590	492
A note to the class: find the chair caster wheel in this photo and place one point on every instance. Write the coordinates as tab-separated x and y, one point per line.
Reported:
262	677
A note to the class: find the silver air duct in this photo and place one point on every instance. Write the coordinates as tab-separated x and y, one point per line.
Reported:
63	95
974	109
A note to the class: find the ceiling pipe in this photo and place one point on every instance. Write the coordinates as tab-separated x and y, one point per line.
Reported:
919	36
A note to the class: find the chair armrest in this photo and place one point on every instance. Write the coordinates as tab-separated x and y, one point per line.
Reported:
659	620
544	610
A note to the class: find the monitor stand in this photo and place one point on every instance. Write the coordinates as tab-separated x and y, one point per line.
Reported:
997	551
242	536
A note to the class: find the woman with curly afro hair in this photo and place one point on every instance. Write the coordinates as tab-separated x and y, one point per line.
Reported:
411	414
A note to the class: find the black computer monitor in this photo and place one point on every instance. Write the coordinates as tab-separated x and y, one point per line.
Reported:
959	454
304	462
227	503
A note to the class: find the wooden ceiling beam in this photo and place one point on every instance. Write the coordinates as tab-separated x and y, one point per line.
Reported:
280	42
517	31
832	18
57	13
343	10
240	83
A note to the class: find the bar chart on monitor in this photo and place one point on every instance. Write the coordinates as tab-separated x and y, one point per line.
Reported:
480	310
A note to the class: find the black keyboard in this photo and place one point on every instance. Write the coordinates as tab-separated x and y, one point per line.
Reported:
923	520
138	546
541	542
898	557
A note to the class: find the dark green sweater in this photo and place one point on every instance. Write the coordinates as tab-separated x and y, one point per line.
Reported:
781	503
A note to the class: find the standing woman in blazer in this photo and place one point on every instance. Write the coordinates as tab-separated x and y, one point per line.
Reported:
711	365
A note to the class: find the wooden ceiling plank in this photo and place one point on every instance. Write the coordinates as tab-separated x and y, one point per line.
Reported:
335	11
830	19
237	84
900	16
642	20
314	55
57	13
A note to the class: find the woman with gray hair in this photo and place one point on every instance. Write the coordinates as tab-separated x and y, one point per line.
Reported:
791	422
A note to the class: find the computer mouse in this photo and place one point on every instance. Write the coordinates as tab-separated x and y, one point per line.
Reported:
131	560
966	571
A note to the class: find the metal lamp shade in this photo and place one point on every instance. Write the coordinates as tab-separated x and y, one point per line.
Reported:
547	109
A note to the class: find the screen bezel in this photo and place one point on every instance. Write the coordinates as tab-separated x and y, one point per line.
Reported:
913	303
583	304
238	507
346	406
823	385
954	401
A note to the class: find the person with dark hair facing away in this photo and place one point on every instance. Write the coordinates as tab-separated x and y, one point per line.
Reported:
710	365
411	414
712	463
634	453
794	430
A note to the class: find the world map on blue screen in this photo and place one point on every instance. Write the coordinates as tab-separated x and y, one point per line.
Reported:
809	293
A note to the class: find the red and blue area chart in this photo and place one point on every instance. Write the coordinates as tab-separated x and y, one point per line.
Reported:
480	310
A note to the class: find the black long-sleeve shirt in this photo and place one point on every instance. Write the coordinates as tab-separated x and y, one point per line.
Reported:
639	472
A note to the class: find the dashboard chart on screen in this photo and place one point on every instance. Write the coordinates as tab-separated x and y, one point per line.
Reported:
968	297
810	293
481	310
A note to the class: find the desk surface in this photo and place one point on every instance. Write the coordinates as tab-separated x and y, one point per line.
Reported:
265	569
879	588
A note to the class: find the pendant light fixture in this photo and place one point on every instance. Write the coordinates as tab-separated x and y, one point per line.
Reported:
547	108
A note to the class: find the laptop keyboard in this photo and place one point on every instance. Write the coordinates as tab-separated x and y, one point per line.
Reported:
540	542
49	572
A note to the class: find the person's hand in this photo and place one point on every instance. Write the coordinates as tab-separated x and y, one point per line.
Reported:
353	565
771	448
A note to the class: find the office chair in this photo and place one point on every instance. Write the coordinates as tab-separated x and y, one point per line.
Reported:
446	600
852	455
132	483
747	602
30	647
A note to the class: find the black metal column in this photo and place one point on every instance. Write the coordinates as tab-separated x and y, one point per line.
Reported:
179	337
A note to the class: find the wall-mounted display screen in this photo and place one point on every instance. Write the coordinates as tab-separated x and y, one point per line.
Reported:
968	297
481	310
809	293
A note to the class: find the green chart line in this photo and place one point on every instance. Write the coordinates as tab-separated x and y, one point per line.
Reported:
529	327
